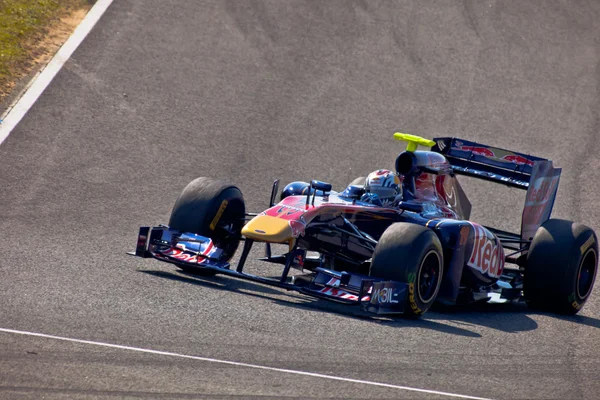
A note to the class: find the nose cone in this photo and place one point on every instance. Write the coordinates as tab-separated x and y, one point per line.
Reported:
266	228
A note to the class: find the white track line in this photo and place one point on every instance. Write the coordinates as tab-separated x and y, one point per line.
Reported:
43	79
239	364
16	113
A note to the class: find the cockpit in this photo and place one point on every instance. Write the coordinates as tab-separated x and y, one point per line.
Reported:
426	179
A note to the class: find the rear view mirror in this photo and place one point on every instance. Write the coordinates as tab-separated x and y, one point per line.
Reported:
318	185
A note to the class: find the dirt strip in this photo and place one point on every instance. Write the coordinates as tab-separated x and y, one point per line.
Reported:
40	48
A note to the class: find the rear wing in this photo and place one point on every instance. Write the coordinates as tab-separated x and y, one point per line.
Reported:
523	171
486	162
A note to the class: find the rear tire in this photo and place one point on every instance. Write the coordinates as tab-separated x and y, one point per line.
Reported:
211	208
562	265
411	254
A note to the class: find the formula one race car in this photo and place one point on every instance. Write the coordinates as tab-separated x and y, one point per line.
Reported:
397	257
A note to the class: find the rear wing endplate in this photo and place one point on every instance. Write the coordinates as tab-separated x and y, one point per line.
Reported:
540	198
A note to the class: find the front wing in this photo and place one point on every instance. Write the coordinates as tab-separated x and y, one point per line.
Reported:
195	252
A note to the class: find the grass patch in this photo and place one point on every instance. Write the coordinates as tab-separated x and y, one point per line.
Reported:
23	26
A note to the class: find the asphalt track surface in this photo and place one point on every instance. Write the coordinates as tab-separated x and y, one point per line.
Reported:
164	91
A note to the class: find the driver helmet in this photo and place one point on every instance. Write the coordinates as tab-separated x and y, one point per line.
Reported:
384	184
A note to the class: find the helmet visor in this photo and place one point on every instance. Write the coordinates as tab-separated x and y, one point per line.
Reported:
384	192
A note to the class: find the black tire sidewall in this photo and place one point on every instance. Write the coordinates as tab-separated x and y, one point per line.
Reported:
399	256
198	210
568	299
553	265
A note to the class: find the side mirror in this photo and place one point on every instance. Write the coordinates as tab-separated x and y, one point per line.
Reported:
318	185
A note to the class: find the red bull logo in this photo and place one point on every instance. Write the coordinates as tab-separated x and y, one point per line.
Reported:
297	228
497	154
480	151
299	260
183	256
518	160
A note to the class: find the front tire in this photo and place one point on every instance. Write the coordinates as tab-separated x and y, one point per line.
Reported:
411	254
562	264
211	208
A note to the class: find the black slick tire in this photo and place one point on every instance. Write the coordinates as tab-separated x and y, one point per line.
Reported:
211	208
562	265
411	254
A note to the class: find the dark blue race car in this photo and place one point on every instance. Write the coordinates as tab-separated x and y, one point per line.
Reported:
397	257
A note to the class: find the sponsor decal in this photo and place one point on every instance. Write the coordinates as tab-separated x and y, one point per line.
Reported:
384	296
540	197
587	244
179	253
217	217
299	260
574	303
342	294
411	299
541	190
517	159
367	296
412	277
477	150
497	154
464	235
487	256
295	201
297	228
287	212
333	282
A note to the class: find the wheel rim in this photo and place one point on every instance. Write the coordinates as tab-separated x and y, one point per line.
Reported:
429	277
586	274
227	232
